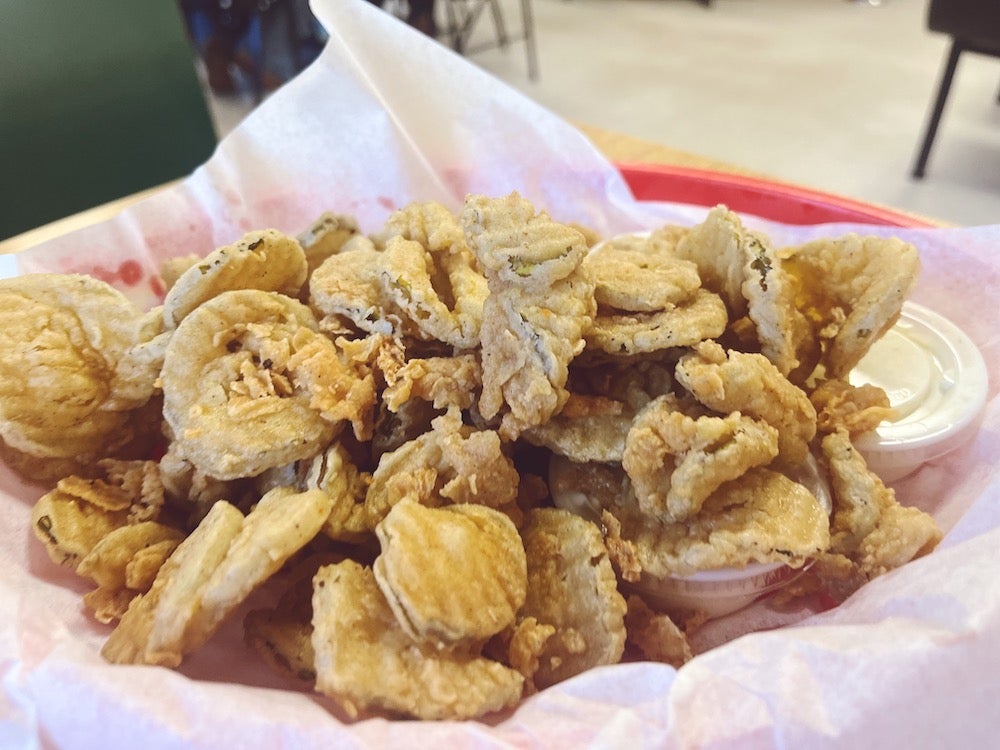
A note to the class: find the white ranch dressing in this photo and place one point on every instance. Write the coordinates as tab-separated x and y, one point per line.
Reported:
936	380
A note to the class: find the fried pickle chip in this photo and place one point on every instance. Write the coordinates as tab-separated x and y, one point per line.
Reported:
700	317
152	628
429	223
763	516
572	587
140	481
444	381
453	463
70	526
282	635
851	290
364	660
655	634
406	280
539	307
857	409
421	550
456	280
172	269
205	580
751	384
60	346
123	564
868	525
326	236
588	428
137	372
404	287
266	260
747	272
240	386
334	473
641	273
281	524
71	519
525	644
347	287
676	461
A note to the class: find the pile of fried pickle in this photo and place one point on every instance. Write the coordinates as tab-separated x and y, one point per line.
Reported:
362	426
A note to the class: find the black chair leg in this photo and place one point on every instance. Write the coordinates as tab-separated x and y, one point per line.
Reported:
531	47
935	118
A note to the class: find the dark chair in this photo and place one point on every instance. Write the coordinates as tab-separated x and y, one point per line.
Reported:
462	16
974	26
98	100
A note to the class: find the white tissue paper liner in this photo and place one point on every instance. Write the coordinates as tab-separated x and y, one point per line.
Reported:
386	117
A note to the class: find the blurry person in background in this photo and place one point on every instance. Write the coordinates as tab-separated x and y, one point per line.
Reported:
254	45
420	15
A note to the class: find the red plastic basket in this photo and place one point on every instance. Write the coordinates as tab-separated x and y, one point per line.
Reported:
769	200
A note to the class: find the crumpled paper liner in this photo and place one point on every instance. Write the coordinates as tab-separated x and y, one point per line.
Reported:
385	117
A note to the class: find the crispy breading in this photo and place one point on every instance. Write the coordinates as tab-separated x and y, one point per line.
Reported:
421	550
598	437
539	307
851	290
124	563
638	273
868	525
212	572
453	463
266	259
857	409
525	644
444	381
429	223
701	316
751	384
241	379
326	236
572	587
398	285
406	275
335	473
348	287
676	460
453	269
280	525
136	378
153	626
365	661
70	526
763	516
655	634
73	518
742	266
61	343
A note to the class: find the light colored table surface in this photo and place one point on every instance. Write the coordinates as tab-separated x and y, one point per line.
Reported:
618	147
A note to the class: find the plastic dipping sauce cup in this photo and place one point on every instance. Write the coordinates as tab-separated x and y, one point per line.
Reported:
936	381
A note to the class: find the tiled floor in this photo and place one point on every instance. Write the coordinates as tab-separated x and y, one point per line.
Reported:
827	93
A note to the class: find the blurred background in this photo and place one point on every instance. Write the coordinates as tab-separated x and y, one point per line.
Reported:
831	94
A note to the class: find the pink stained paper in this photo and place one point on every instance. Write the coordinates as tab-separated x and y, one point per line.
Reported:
385	117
